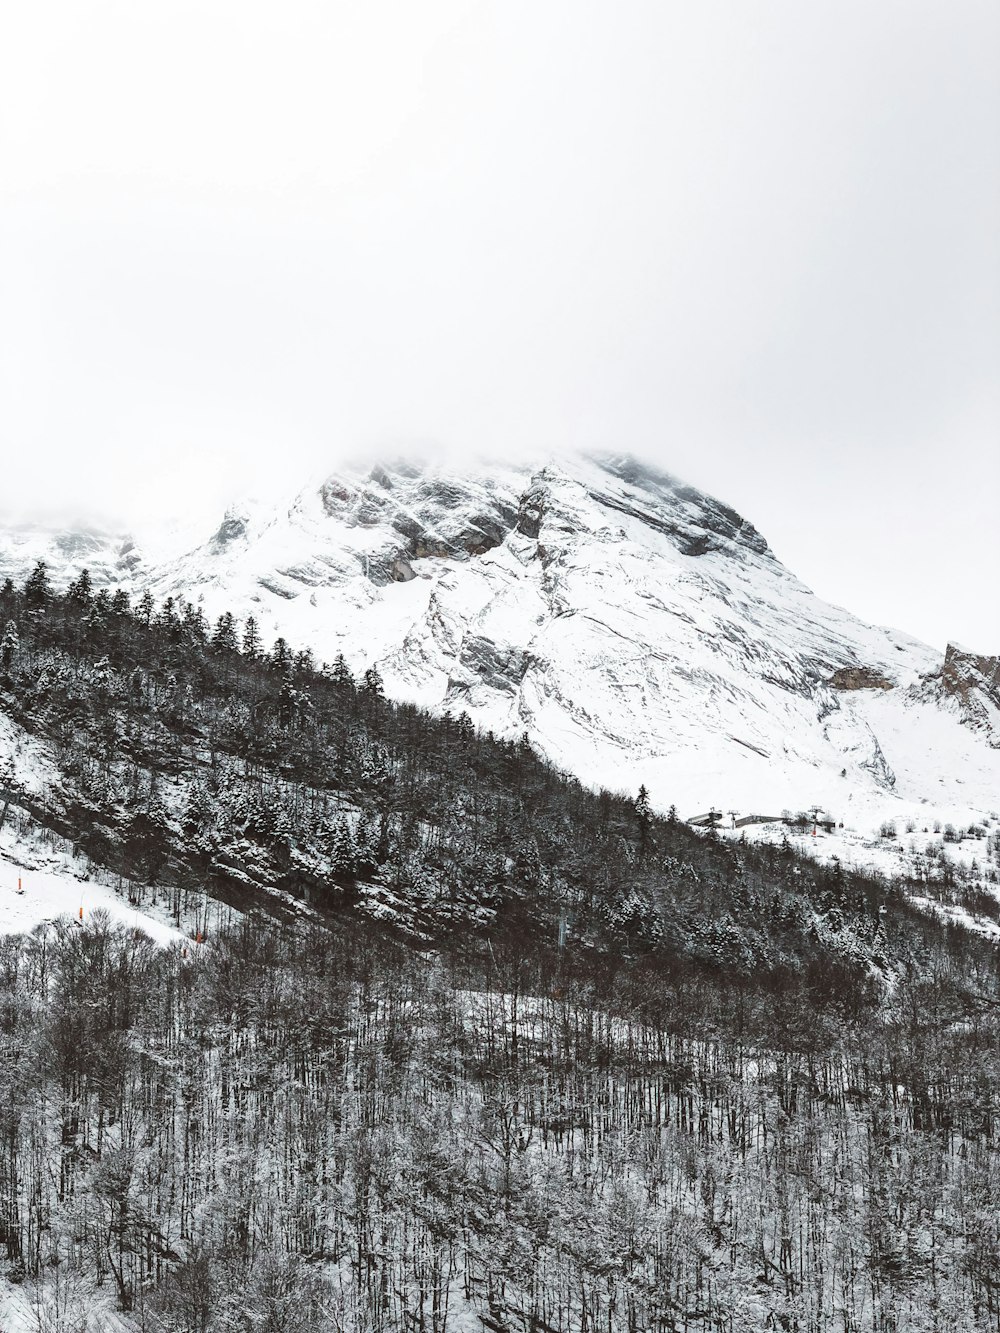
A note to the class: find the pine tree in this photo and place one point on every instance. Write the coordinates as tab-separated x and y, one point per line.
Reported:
343	855
365	843
643	810
224	636
195	624
305	662
96	615
643	817
373	686
251	639
81	591
9	645
340	673
288	702
281	654
36	590
167	618
120	603
145	608
137	683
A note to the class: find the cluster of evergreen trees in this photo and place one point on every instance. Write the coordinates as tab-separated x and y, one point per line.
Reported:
188	755
504	1049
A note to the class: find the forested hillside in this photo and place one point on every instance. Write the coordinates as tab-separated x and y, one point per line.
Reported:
475	1047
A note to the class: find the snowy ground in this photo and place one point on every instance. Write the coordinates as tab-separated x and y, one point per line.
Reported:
37	887
73	1305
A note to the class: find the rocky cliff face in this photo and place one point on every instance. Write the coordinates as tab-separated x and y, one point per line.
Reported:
637	630
968	684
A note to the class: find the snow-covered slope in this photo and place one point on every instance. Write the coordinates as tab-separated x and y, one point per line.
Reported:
636	629
111	557
36	887
114	558
43	880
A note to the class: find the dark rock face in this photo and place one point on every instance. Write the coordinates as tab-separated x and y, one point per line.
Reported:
531	511
451	517
231	529
971	681
974	680
110	557
436	517
859	678
878	766
129	557
696	523
963	670
500	667
78	544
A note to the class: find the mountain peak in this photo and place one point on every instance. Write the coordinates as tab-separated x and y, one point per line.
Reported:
639	630
440	510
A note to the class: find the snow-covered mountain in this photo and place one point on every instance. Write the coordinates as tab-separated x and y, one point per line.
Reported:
637	630
112	557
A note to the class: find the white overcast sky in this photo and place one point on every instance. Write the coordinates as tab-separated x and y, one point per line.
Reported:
758	242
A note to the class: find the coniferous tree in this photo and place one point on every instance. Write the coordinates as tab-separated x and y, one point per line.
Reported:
195	624
9	645
373	686
343	857
251	639
81	591
305	662
643	818
224	635
291	701
281	654
36	589
167	614
340	672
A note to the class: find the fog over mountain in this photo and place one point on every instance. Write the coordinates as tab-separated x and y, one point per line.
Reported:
499	667
754	246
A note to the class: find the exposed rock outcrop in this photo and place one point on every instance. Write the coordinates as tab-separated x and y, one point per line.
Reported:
969	683
860	678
